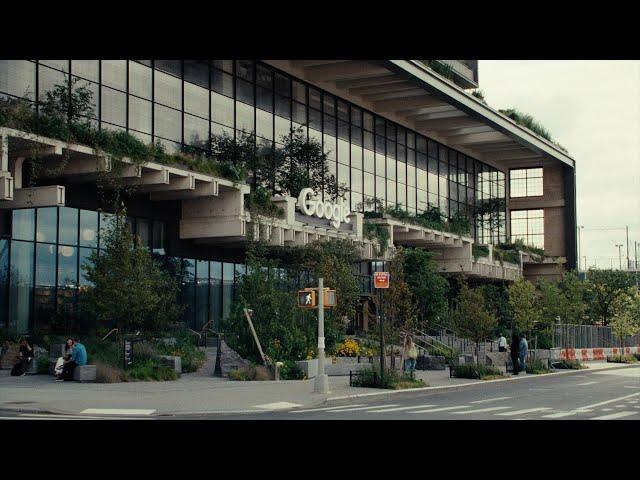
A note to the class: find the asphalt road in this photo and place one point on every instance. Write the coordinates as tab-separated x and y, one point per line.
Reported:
599	395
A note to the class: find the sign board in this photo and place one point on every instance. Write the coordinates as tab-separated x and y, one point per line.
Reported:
381	279
310	204
128	353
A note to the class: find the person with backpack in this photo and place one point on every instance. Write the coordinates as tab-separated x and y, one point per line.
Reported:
410	354
523	350
25	357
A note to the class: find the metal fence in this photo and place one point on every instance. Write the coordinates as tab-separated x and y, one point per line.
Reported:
589	336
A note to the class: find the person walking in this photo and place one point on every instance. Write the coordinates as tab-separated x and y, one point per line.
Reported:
515	348
410	354
502	343
523	351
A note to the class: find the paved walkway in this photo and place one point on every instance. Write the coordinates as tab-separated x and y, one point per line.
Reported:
193	394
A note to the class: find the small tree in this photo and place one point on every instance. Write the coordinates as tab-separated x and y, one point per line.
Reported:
574	291
128	287
472	320
72	100
626	315
525	308
603	287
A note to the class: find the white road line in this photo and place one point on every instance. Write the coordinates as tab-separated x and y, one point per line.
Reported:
559	415
491	400
479	410
117	411
607	402
324	409
585	383
441	409
277	405
522	412
613	416
399	409
362	408
630	386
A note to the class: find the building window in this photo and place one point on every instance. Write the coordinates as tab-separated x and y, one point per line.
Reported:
526	182
528	226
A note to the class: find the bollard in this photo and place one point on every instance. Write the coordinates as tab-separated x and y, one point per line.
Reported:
277	372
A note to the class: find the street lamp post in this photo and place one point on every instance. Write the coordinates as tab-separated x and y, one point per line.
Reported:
619	246
580	227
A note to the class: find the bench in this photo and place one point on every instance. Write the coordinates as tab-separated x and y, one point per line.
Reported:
85	373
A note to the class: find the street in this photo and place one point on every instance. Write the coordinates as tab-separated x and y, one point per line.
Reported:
596	395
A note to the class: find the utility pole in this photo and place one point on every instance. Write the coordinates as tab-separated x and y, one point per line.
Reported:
322	380
619	246
585	263
627	227
580	227
635	248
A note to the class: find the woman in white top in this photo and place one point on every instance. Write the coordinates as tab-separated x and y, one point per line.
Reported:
68	347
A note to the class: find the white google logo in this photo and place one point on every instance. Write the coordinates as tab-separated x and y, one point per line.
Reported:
309	204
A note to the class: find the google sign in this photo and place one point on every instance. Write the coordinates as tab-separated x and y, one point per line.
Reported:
310	205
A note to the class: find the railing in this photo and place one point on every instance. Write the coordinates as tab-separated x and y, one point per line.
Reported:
589	336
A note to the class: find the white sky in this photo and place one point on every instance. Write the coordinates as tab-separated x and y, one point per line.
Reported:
592	108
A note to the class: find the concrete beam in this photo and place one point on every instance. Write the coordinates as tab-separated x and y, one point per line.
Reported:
153	177
386	79
407	93
175	184
407	104
193	228
343	70
385	88
516	154
49	196
4	153
202	189
6	186
473	138
438	124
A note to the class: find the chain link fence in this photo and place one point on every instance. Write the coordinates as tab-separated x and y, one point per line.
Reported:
589	336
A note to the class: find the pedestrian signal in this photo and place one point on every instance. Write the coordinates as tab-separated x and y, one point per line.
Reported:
307	299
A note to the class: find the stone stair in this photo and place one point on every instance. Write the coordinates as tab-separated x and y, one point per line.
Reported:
209	366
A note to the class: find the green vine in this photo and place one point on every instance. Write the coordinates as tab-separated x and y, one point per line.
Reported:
375	231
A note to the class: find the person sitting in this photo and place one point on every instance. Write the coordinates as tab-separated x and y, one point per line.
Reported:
25	357
68	349
78	358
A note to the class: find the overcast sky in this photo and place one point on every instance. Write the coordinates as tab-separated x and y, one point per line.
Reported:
592	108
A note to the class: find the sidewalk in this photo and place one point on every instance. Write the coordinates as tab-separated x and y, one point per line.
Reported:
199	395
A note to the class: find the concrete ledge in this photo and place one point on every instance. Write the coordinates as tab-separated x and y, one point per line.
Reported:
85	373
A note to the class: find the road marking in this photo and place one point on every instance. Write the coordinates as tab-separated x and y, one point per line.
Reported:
630	386
324	409
492	400
613	416
399	409
480	410
116	411
607	409
277	405
362	408
526	410
559	415
607	402
441	409
56	415
585	383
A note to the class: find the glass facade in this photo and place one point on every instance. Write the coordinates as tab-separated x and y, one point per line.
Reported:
525	182
183	102
528	226
41	267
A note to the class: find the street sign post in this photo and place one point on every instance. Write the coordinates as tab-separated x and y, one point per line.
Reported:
381	282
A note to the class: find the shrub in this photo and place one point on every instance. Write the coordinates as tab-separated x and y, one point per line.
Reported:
537	367
43	364
109	373
150	370
144	351
290	371
251	373
482	372
621	358
393	379
569	364
185	347
348	348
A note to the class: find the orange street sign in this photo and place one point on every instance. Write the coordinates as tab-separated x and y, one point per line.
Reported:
381	279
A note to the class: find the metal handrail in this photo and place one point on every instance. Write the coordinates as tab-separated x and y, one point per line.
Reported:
112	330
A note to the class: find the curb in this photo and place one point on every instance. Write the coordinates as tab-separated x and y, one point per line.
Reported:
445	388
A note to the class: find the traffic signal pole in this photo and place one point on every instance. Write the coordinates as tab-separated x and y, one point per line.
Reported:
322	380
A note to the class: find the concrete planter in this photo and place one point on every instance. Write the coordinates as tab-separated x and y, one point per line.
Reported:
346	360
170	361
310	367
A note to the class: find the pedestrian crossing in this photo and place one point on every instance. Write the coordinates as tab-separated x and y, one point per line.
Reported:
625	409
